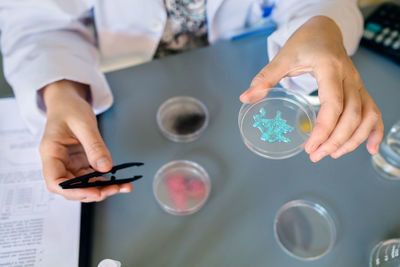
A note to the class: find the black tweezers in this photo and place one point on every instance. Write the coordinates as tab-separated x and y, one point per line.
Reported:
83	181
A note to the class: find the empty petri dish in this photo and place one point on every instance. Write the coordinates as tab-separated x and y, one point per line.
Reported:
304	229
278	124
182	118
181	187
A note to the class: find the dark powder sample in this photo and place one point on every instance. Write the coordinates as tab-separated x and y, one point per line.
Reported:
188	123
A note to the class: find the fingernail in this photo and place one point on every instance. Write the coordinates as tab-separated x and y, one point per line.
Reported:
307	148
244	97
103	164
124	190
320	155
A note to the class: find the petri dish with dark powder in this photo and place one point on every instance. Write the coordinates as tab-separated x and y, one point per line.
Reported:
182	118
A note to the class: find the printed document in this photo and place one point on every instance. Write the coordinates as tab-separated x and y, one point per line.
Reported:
37	228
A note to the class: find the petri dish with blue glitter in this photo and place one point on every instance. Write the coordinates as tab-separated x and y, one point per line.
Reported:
278	124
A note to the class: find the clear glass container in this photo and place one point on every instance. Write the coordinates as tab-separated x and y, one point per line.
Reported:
278	124
305	230
182	118
181	187
386	254
387	161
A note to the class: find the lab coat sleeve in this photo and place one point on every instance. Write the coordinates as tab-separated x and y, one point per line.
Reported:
43	42
291	14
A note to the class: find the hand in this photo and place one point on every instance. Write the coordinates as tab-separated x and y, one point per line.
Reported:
72	141
348	115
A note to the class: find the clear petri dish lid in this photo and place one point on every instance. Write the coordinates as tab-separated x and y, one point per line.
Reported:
181	187
277	124
182	118
304	229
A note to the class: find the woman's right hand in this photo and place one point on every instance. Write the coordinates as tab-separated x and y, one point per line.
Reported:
71	143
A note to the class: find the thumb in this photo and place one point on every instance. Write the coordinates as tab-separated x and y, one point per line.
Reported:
96	151
267	78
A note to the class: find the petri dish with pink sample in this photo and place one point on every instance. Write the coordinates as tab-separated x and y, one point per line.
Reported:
181	187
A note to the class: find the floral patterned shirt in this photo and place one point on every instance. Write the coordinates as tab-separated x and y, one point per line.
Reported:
185	28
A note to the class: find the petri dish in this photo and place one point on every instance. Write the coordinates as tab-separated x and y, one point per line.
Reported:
387	162
386	254
278	124
182	118
181	187
304	230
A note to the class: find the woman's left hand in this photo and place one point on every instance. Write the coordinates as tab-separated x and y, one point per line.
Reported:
348	115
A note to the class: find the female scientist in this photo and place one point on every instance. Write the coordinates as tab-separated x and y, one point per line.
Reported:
52	55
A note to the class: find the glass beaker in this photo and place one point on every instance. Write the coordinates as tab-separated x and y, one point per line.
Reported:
386	254
387	161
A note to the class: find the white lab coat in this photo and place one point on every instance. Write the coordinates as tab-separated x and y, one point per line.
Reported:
44	41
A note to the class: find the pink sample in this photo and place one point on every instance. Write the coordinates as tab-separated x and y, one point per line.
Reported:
180	189
196	188
177	191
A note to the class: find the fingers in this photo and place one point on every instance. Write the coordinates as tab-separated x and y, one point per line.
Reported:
57	174
54	173
342	128
267	78
55	158
348	122
93	194
87	133
61	163
71	142
375	138
371	127
331	98
104	192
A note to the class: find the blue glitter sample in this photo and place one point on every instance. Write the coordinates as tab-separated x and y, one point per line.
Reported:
272	130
